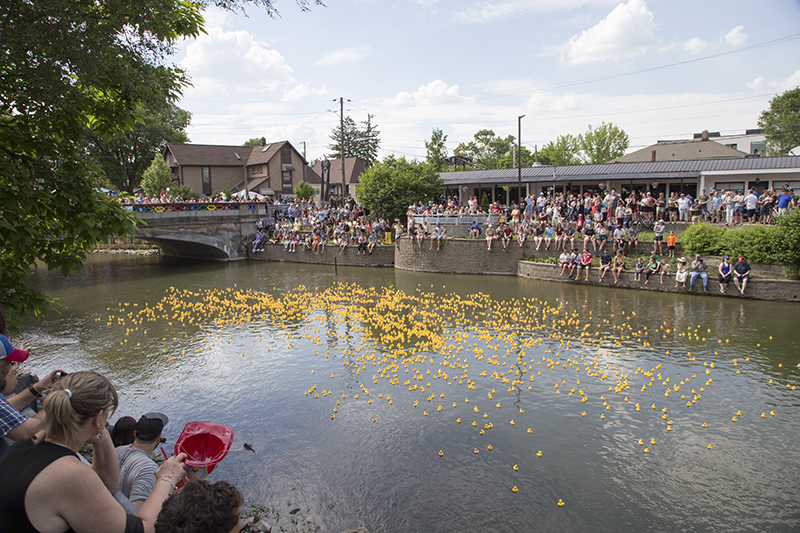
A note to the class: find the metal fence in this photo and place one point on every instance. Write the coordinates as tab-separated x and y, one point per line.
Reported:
456	220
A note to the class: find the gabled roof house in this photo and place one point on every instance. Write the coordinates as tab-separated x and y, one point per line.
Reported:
271	169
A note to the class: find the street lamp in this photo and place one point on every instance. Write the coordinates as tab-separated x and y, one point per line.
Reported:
519	159
244	168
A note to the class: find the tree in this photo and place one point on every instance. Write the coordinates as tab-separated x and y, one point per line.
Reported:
68	67
781	123
437	151
124	156
255	141
565	150
157	177
604	143
362	143
304	190
487	149
390	186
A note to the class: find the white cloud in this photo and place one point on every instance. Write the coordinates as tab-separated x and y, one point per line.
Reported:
506	9
301	91
791	82
233	61
436	92
755	83
627	31
343	55
735	37
695	45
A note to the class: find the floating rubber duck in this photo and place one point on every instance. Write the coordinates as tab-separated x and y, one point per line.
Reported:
560	503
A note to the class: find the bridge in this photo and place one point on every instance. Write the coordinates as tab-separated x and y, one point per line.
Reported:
219	231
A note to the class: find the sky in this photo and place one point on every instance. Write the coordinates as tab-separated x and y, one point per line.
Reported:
659	69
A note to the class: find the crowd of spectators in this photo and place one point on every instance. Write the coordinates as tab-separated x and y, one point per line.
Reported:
48	485
303	226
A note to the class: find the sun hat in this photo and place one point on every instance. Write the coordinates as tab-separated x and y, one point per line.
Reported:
681	260
9	353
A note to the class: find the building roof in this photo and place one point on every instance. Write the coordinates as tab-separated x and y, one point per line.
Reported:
215	155
682	150
621	171
353	168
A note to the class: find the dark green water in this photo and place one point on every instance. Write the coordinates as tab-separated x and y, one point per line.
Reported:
387	475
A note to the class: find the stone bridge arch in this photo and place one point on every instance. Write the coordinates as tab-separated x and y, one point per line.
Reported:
219	234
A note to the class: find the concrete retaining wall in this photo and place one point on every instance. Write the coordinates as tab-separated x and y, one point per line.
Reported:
382	256
759	289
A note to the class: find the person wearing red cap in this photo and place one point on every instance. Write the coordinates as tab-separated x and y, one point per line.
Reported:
14	424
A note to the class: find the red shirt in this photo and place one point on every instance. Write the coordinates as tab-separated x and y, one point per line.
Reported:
586	258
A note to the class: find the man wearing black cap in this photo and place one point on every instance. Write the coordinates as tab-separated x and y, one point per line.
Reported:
137	471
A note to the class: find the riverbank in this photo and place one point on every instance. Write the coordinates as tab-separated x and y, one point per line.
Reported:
471	256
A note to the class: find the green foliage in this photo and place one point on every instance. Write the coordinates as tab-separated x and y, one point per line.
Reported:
255	141
125	155
788	247
781	122
758	244
304	190
485	202
186	192
437	151
362	143
389	187
564	150
158	177
487	149
597	145
703	239
604	143
550	260
226	191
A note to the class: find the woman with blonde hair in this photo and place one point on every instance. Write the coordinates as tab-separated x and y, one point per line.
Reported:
46	488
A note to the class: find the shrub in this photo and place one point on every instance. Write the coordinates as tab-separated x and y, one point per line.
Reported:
756	243
183	191
788	241
703	239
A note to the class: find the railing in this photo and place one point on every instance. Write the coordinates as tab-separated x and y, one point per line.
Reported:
456	220
203	206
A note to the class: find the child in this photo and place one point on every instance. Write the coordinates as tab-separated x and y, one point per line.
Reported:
664	266
671	243
637	273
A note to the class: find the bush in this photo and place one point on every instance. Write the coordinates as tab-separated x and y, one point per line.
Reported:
183	191
227	192
756	243
703	239
787	249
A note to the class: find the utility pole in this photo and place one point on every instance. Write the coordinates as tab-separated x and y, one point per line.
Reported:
305	164
341	143
519	161
244	167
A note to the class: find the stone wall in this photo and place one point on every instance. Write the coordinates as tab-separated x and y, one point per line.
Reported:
461	256
382	256
757	288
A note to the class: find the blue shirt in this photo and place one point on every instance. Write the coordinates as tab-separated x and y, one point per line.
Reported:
9	417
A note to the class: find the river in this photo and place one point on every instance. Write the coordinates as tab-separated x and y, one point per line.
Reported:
592	396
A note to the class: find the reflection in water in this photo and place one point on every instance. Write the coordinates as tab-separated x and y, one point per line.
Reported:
250	370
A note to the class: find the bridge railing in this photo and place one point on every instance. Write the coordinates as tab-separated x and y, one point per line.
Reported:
456	220
193	206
